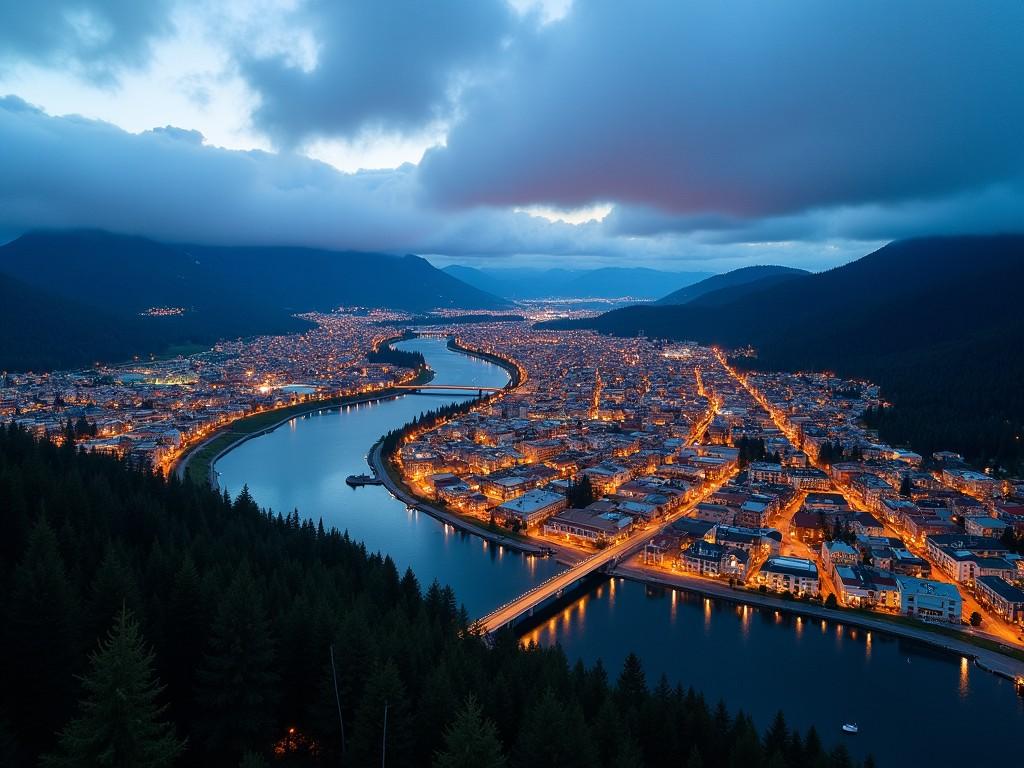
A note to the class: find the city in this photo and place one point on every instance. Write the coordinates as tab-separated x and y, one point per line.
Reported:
689	468
511	384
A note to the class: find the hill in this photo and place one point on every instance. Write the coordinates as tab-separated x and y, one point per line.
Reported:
935	321
84	294
758	275
603	283
45	331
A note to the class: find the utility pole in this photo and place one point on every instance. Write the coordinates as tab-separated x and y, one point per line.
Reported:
337	700
384	740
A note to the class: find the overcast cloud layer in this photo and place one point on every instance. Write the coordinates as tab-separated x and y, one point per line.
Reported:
730	132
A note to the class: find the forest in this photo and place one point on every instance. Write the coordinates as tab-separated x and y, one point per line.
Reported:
149	622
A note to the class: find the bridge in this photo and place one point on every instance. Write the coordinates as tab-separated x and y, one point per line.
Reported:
554	587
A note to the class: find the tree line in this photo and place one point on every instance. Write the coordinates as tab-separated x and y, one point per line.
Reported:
150	622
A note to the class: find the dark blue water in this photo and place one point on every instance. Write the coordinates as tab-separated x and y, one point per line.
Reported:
915	706
303	464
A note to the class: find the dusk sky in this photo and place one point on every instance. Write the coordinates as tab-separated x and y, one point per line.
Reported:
682	135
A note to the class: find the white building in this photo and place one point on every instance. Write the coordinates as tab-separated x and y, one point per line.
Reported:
929	600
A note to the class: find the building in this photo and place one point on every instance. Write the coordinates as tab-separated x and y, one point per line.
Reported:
929	600
969	481
714	560
588	525
864	587
967	557
836	552
531	508
985	525
790	574
1002	597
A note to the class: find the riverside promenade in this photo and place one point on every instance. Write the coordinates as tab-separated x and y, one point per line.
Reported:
989	660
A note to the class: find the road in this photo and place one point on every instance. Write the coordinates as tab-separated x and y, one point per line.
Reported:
995	628
516	607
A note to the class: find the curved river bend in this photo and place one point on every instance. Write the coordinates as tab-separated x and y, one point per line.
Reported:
948	711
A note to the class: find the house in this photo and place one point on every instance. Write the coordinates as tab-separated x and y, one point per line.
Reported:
929	600
836	552
861	586
714	560
790	574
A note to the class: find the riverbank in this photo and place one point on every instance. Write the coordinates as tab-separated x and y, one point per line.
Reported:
198	460
383	471
517	374
985	658
396	488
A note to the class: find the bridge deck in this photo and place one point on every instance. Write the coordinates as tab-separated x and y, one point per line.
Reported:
521	605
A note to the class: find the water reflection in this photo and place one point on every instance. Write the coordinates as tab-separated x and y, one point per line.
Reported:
776	663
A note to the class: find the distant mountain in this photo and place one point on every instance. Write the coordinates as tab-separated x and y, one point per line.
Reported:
91	278
304	279
603	283
743	276
935	321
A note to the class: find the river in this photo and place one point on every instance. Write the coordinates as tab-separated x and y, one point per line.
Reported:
915	706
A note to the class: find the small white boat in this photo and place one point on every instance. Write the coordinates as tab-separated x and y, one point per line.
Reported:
850	728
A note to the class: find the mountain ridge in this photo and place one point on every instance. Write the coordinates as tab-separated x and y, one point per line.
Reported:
726	280
100	284
602	282
935	321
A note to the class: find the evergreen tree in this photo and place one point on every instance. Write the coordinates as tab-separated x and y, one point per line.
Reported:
41	642
383	697
237	678
120	721
471	741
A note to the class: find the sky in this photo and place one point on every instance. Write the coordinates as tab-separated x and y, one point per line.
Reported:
689	136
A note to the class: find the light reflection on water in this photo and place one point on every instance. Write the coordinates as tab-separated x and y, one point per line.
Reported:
764	660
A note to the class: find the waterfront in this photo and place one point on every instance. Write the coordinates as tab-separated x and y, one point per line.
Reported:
948	712
304	462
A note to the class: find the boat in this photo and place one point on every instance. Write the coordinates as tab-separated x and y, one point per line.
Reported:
357	480
850	728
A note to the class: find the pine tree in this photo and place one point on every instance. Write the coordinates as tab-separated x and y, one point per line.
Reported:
120	721
40	640
631	690
237	681
384	693
471	741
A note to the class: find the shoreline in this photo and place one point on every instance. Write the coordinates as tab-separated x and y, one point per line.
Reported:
180	466
376	461
987	660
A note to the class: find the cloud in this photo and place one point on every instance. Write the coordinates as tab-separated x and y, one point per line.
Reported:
94	37
385	65
744	109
